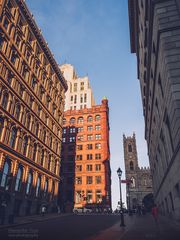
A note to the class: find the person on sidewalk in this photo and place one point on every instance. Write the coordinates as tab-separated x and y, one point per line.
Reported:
3	211
43	210
154	212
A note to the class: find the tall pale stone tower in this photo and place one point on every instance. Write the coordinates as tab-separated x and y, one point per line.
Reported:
141	184
79	94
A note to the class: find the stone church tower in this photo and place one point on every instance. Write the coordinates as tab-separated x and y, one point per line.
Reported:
141	183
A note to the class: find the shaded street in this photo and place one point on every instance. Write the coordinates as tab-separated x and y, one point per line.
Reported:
94	227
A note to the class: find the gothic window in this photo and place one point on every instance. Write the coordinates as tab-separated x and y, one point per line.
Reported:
25	144
34	151
38	186
5	100
133	183
17	111
129	148
72	121
42	157
97	117
131	165
90	119
5	174
28	120
37	129
80	120
1	125
46	187
29	183
13	137
18	179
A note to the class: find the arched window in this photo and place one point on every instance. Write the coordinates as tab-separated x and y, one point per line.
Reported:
5	100
50	141
38	186
64	121
131	165
28	120
44	136
17	111
1	125
37	129
4	179
129	148
46	187
42	157
97	118
13	137
49	162
29	183
25	144
80	120
72	121
133	183
34	151
90	119
18	179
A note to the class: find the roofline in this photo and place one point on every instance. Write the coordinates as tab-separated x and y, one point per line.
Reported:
41	40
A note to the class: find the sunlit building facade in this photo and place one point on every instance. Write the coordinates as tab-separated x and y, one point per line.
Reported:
32	91
85	168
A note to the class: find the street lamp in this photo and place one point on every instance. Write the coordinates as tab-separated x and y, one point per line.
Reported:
119	173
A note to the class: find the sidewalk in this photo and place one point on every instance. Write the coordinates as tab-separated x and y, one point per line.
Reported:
33	218
141	228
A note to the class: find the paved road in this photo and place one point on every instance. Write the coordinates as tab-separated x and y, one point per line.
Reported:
74	227
95	227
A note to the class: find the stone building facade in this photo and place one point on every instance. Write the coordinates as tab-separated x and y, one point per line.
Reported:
32	91
155	38
85	168
79	94
141	181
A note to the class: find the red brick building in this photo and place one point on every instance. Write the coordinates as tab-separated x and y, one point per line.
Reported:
85	165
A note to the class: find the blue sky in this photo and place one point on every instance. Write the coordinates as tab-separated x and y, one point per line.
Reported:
93	35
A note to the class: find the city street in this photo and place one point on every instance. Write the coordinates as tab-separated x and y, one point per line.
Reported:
94	227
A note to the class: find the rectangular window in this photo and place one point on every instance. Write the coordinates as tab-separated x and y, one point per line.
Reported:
82	86
98	127
89	167
89	156
98	196
98	136
90	128
85	97
98	179
81	98
72	130
78	197
78	168
98	167
89	196
89	137
89	146
79	157
79	147
98	146
89	180
72	139
75	87
80	129
80	138
78	180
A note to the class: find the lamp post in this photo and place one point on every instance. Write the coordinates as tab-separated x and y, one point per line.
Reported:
119	172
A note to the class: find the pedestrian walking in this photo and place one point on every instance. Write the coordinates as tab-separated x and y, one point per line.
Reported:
43	210
3	211
154	212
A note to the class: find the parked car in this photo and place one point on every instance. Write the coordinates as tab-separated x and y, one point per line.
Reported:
82	210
